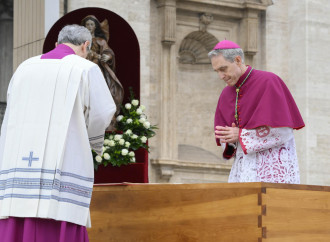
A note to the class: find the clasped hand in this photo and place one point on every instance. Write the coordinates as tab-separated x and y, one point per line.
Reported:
227	134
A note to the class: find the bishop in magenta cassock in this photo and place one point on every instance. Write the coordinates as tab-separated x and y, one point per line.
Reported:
58	108
254	120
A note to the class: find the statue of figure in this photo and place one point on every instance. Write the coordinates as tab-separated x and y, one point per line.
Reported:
104	57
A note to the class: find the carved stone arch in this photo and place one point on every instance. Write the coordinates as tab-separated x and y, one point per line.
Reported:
195	47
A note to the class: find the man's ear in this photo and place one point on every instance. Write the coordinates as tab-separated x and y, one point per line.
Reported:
86	45
56	44
238	60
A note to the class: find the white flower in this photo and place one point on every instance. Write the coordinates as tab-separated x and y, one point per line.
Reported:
111	137
121	141
143	116
139	111
129	132
106	141
129	121
124	151
142	120
131	154
111	143
106	156
142	107
117	137
98	159
135	102
143	139
128	106
134	136
120	117
146	125
132	159
127	144
103	149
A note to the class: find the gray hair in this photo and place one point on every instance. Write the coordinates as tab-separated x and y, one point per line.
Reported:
228	54
74	34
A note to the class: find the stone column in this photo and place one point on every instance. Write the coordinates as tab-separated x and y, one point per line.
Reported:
168	140
32	20
29	27
249	34
6	51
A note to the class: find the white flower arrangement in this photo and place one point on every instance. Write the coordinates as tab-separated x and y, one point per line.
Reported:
143	139
112	143
124	152
119	117
98	159
133	131
135	102
139	111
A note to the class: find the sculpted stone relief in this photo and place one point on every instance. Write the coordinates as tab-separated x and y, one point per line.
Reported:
196	45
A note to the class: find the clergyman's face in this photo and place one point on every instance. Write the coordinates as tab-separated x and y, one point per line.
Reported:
90	25
227	71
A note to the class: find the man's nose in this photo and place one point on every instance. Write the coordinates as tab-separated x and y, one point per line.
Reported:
221	75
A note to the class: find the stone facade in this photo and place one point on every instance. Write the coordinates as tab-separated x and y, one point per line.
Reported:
289	38
297	43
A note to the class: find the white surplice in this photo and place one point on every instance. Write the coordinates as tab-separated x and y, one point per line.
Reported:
57	110
265	154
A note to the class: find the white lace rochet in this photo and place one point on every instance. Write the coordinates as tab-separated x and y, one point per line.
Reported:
266	154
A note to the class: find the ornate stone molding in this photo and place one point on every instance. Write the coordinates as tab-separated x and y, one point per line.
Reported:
168	26
192	164
223	7
168	168
204	20
243	11
249	31
195	46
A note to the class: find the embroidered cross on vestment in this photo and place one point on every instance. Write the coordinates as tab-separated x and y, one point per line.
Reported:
30	158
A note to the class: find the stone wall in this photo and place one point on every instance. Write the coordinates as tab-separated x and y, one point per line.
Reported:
297	43
285	55
317	74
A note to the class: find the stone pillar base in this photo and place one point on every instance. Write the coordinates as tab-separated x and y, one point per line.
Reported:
180	171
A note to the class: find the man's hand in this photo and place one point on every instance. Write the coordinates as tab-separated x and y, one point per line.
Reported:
227	134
